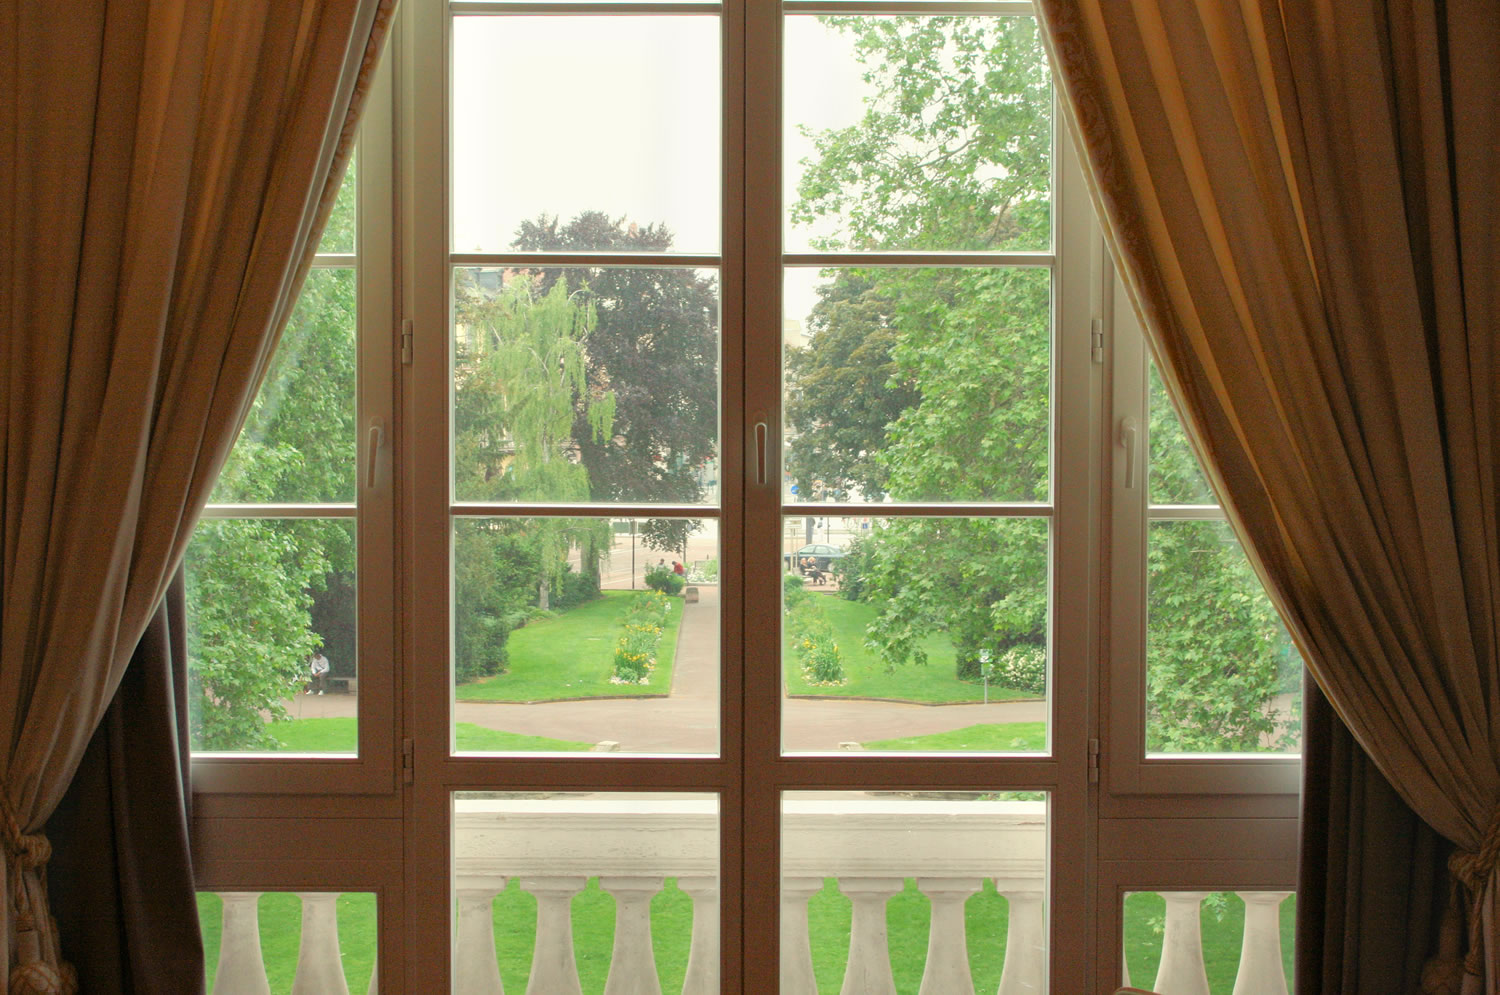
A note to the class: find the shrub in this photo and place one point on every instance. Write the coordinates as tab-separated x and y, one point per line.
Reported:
794	593
575	589
666	580
849	570
1023	668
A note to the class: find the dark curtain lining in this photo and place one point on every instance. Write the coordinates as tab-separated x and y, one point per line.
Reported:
121	876
1373	877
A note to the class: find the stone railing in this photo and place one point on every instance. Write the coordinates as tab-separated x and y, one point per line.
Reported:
1182	970
869	844
241	969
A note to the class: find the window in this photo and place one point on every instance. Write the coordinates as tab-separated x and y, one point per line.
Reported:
732	443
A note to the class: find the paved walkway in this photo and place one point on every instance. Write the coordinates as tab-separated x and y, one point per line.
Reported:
687	720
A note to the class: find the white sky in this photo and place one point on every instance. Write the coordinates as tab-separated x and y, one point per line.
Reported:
620	114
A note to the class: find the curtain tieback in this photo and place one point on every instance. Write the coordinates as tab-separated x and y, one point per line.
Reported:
1474	870
27	855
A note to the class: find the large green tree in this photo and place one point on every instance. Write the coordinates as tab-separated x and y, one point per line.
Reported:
845	390
264	593
655	348
952	152
519	371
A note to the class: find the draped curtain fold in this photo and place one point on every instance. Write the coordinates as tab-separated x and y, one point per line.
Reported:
1302	200
166	168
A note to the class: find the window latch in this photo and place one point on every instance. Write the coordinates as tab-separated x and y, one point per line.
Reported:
1093	761
408	755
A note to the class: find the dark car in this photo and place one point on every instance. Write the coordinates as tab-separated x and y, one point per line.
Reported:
816	556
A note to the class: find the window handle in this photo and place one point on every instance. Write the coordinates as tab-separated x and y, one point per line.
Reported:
1129	435
761	436
377	439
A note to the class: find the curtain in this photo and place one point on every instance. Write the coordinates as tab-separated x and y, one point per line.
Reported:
1302	200
166	168
121	877
1372	882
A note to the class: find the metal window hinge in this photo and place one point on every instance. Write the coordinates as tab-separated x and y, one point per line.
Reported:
408	753
406	342
1093	761
1096	334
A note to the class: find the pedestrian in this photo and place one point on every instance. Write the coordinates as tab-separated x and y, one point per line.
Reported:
317	665
677	568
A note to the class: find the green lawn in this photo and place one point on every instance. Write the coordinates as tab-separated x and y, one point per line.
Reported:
572	656
934	682
338	735
997	737
986	915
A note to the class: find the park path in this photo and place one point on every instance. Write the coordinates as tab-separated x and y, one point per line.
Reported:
687	720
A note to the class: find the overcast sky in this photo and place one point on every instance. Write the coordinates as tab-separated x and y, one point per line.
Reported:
620	114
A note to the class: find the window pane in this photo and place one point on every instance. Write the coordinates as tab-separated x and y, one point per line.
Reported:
881	615
267	598
906	891
578	634
304	939
1207	941
575	891
585	120
594	385
1176	477
1222	673
298	442
917	132
338	234
917	384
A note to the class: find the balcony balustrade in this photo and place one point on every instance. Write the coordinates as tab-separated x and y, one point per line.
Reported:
869	845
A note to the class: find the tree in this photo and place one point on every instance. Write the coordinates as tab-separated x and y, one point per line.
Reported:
952	152
845	389
655	347
254	585
519	373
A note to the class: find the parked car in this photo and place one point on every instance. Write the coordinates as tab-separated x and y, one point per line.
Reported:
816	556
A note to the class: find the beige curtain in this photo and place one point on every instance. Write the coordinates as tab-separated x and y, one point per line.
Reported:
1302	197
166	167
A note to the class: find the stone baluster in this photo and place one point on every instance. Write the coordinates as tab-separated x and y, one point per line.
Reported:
319	969
374	988
703	956
1181	971
1025	969
241	970
632	965
797	976
947	970
1261	971
476	968
869	969
554	971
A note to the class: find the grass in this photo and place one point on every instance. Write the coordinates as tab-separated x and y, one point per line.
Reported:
1222	917
339	735
997	737
986	915
572	656
281	932
933	683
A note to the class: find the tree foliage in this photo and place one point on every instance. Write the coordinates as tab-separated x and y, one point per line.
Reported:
655	348
255	586
934	385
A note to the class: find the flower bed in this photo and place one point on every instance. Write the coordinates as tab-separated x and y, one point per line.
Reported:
635	650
